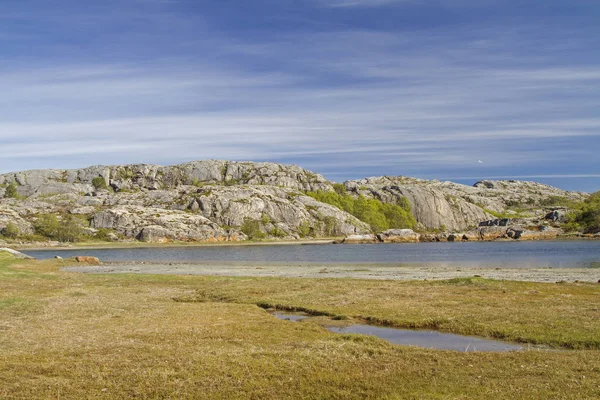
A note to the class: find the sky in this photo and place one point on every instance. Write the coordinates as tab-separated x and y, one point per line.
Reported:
457	90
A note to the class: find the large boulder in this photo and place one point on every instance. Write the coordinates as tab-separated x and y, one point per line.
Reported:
539	233
360	239
16	254
399	236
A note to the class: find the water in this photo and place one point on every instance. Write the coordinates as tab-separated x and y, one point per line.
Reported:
549	254
406	337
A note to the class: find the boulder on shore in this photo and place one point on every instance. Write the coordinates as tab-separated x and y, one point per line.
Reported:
360	239
88	260
399	236
16	254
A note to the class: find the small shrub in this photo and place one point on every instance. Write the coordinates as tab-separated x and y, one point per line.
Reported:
330	226
11	192
11	231
278	233
555	201
99	183
339	188
251	228
587	214
68	229
104	235
304	229
265	219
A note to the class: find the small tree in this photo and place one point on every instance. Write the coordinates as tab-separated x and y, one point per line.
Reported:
71	229
47	225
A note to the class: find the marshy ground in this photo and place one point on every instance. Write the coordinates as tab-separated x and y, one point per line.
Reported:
72	335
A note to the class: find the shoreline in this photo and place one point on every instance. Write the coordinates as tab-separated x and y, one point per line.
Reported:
346	271
325	241
142	245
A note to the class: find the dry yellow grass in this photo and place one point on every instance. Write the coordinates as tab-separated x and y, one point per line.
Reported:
74	336
561	315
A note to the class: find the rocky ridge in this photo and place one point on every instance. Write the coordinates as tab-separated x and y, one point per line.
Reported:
231	201
197	201
450	206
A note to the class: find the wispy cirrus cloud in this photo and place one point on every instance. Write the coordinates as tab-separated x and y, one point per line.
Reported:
359	3
345	102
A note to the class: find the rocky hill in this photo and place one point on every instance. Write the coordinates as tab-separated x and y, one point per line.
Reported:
452	206
230	201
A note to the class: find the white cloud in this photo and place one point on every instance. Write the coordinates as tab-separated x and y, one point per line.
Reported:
339	100
360	3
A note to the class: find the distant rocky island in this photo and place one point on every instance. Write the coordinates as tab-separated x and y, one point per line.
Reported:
222	201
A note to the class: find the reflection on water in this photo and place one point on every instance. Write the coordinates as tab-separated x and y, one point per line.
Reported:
543	254
406	337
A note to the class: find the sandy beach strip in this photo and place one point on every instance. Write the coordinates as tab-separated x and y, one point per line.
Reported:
357	271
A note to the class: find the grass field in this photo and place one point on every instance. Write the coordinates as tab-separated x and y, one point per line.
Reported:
71	336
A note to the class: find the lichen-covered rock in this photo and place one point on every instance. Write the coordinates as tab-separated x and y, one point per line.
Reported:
9	216
155	177
360	239
539	233
431	206
399	236
491	232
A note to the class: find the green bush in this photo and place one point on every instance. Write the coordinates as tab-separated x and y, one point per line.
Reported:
251	228
330	226
265	219
339	188
104	235
67	229
587	215
379	216
11	231
99	183
304	229
555	201
278	233
11	191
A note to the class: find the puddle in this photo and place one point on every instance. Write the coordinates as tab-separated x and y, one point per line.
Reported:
289	316
407	337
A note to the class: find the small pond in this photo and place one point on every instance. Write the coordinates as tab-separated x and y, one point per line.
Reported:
420	338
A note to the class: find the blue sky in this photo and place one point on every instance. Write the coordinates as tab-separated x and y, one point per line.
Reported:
347	88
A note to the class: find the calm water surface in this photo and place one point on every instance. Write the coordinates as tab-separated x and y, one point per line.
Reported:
550	254
407	337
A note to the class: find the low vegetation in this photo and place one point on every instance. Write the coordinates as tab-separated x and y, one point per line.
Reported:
70	335
523	312
10	231
67	228
99	183
251	228
11	191
586	215
378	215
